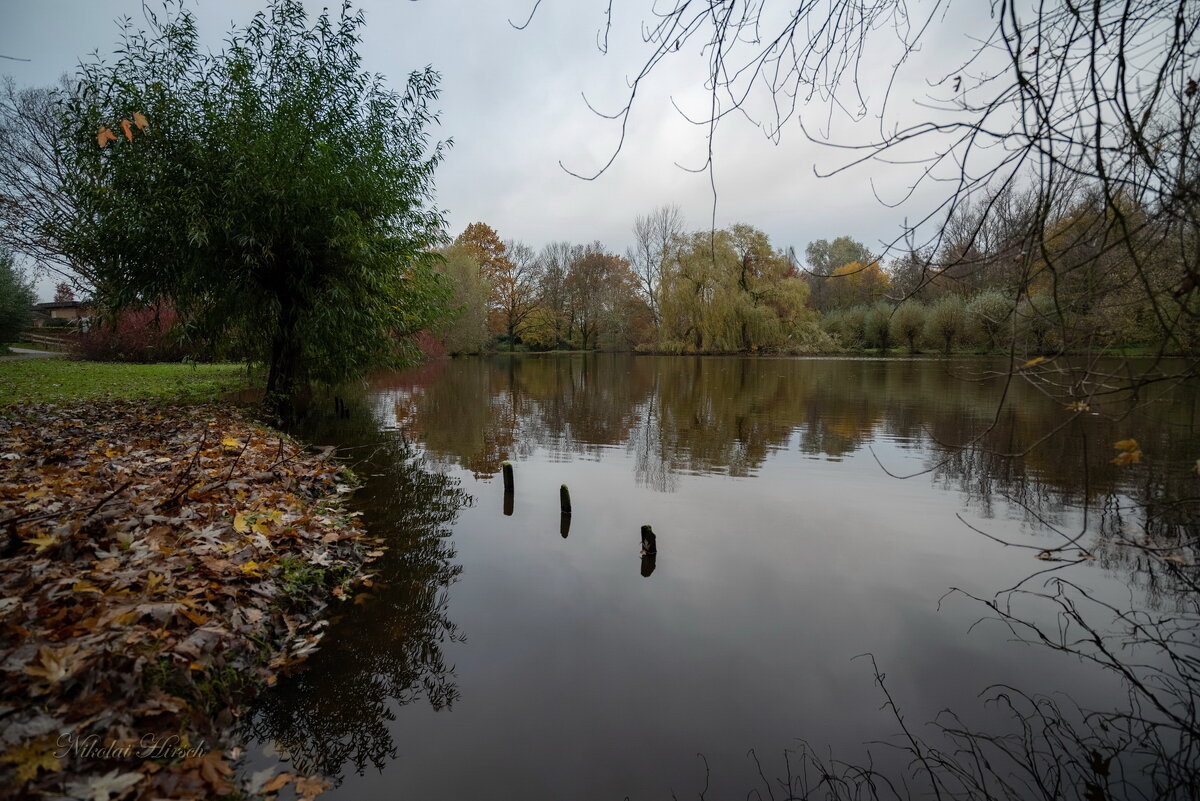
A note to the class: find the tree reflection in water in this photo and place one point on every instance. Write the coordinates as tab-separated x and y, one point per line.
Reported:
1027	457
1031	459
385	650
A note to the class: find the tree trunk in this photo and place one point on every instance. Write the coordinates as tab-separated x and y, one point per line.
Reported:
284	373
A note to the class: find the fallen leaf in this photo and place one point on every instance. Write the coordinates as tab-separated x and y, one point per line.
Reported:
213	769
42	542
1127	458
32	757
309	787
276	784
101	788
56	664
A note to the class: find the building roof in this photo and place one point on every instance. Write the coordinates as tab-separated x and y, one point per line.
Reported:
59	304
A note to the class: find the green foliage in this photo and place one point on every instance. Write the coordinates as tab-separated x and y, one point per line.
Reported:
1037	322
946	321
908	323
278	199
730	291
824	257
877	325
467	330
848	326
990	314
16	299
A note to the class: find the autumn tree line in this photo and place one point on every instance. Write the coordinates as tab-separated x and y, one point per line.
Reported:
1000	277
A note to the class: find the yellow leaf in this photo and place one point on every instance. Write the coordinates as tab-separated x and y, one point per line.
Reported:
105	136
154	581
276	784
139	119
127	127
261	528
1034	361
33	756
252	569
240	524
1078	406
112	453
85	586
44	541
231	443
1126	445
195	617
1127	458
308	788
55	664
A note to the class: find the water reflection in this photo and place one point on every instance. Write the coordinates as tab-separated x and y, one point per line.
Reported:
1027	458
713	415
385	648
769	585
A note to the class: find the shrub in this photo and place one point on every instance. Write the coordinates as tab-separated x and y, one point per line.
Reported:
1038	321
946	321
847	326
877	324
908	321
145	335
989	313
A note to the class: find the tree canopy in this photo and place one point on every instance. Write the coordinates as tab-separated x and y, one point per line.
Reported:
277	195
16	299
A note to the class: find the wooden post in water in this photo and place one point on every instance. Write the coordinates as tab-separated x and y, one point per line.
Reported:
564	500
647	565
649	545
564	525
506	467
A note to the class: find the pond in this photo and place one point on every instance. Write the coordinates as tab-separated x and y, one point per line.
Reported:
815	518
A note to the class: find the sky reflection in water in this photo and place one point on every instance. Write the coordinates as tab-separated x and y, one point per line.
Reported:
504	660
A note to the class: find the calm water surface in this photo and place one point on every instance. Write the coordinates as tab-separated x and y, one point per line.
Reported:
510	656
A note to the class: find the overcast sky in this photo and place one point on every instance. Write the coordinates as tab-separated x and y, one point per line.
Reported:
512	101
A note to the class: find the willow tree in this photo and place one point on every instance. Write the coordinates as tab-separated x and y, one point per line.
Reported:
730	291
275	193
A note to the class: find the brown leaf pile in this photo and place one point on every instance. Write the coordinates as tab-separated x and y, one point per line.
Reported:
156	565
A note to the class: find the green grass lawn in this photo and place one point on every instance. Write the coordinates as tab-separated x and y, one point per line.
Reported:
61	379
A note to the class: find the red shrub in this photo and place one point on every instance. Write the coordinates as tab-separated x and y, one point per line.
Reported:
135	336
430	346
